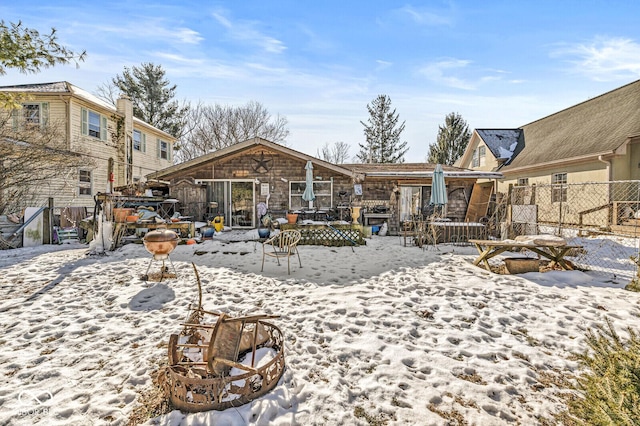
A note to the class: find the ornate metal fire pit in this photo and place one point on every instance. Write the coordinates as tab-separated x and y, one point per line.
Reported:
218	362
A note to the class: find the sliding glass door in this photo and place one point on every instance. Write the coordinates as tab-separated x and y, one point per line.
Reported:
235	201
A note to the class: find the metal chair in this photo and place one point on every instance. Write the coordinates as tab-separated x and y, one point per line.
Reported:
283	244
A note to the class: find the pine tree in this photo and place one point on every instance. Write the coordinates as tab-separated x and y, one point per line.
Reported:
152	96
28	51
382	134
453	139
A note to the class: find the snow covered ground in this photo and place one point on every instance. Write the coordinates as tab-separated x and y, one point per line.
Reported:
380	332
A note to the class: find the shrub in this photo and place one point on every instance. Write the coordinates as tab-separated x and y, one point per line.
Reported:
609	389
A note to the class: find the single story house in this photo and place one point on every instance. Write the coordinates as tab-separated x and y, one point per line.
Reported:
240	181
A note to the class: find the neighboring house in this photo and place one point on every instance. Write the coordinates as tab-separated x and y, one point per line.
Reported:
235	180
595	141
120	149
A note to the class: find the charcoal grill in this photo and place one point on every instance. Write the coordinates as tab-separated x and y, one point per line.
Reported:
160	243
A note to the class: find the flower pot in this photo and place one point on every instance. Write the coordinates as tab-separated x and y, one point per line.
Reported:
292	217
120	214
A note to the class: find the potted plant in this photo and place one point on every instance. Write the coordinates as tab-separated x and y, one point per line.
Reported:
292	217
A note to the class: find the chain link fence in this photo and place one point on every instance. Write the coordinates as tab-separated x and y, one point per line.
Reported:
603	217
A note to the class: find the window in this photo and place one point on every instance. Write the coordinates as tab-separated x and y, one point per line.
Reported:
559	189
84	184
164	152
94	124
523	182
31	115
139	141
323	191
479	155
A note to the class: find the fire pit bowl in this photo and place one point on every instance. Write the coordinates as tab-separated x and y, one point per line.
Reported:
160	242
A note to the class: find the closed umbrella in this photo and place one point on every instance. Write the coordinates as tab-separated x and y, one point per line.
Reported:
308	191
438	188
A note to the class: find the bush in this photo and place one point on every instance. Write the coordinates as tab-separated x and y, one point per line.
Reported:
609	390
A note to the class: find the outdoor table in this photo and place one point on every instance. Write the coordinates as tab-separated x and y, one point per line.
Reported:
555	252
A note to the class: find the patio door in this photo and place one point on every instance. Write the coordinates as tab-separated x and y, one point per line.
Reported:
410	202
235	200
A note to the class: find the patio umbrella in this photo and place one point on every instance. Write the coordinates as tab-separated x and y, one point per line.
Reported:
438	188
308	191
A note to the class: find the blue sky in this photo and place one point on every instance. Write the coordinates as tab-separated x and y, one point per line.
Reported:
500	64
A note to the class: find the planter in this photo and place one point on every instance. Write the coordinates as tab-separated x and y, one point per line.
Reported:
292	217
120	214
207	232
263	232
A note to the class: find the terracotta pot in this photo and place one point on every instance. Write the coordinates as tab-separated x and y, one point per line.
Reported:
120	214
292	217
132	218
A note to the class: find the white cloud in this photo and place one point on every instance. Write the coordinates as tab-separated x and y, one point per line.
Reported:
245	31
381	65
440	72
603	59
460	74
425	17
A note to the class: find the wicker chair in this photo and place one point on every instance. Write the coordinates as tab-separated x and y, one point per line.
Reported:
283	244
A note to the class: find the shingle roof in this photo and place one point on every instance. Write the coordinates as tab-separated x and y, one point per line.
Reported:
597	126
503	143
57	87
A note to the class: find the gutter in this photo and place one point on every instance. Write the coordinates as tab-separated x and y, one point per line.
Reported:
582	159
472	174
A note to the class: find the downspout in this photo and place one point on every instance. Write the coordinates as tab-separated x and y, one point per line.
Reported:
68	120
612	213
609	171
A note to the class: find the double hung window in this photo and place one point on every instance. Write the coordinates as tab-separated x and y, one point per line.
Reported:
94	124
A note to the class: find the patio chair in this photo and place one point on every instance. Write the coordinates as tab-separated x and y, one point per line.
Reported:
283	244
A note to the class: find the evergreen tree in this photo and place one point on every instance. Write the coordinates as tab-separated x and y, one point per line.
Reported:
152	97
382	134
453	139
28	51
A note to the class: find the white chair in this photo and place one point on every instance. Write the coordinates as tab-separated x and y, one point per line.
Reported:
283	244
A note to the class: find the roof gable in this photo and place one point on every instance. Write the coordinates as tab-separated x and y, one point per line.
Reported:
238	147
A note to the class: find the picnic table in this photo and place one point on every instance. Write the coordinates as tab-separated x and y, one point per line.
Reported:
552	249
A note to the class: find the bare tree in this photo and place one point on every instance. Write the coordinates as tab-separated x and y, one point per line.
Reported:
336	153
108	92
32	157
213	127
